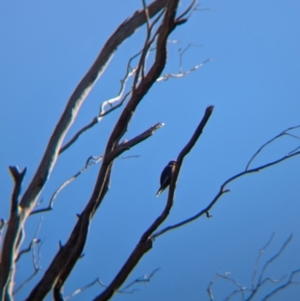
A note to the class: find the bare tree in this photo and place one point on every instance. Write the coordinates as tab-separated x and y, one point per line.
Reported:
161	18
259	280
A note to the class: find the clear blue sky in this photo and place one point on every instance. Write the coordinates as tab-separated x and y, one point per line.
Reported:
252	80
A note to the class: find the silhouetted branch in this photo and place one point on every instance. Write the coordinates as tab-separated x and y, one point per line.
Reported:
126	145
222	191
145	243
240	288
179	161
18	179
283	133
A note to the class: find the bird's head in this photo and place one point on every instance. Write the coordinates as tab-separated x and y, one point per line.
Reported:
172	163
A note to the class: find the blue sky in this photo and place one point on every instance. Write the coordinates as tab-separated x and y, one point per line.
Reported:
252	79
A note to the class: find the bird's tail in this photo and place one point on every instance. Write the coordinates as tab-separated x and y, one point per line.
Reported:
159	192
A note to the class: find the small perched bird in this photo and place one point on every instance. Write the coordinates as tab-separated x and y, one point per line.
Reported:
166	176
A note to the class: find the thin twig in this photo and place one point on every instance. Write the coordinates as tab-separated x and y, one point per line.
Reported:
261	251
283	133
240	288
36	256
181	74
142	279
266	265
284	286
89	162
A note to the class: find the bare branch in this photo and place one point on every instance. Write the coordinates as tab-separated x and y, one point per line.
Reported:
284	286
36	256
89	162
261	251
84	288
266	265
18	179
255	287
181	74
33	242
79	95
12	237
143	279
223	191
179	161
240	288
189	10
131	71
78	236
126	145
283	133
67	118
145	243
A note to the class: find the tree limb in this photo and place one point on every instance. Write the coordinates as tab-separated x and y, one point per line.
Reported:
67	118
145	243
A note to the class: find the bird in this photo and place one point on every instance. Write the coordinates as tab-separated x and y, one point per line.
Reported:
166	176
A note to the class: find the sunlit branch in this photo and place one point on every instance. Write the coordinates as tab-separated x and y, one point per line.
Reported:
36	256
12	237
181	74
142	279
89	162
113	103
119	99
49	159
35	241
29	248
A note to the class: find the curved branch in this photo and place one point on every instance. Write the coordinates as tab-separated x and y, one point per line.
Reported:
283	133
48	161
220	193
145	243
179	161
89	162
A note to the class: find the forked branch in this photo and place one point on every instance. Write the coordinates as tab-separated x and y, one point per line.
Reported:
145	243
